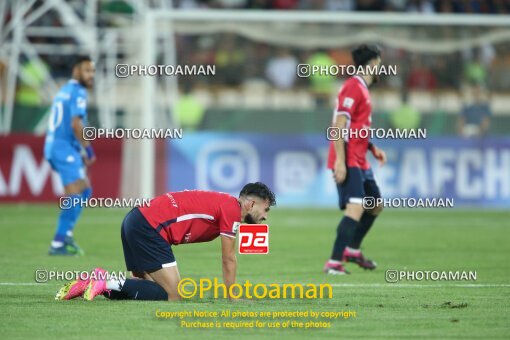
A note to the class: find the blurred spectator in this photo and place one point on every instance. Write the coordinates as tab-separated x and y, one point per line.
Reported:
500	70
315	5
396	5
259	4
501	7
447	69
341	56
189	110
230	61
420	76
232	4
281	70
481	6
406	116
257	55
202	52
3	81
417	6
475	70
445	6
370	5
339	5
474	119
285	4
321	84
33	74
421	6
191	4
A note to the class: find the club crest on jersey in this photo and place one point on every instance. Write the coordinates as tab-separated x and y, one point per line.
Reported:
348	102
81	103
235	227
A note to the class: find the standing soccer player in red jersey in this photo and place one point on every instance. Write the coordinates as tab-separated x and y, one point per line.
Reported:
147	233
351	170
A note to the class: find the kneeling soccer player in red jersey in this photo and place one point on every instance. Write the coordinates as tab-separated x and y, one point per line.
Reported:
147	233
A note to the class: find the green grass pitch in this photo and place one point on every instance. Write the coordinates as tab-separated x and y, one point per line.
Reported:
300	242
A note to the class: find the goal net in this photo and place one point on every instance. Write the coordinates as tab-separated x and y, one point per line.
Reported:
256	86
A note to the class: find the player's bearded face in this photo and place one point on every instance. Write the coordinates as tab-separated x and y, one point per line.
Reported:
249	219
87	72
257	213
375	77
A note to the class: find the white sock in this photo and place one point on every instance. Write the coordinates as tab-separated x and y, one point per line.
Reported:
57	244
334	261
352	250
115	284
69	233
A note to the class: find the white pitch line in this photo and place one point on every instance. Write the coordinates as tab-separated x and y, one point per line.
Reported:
21	284
414	285
348	285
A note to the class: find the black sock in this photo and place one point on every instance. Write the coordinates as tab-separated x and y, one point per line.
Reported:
135	289
364	225
344	234
115	295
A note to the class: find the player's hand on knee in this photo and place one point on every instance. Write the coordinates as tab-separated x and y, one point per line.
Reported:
89	161
90	155
340	171
174	297
379	154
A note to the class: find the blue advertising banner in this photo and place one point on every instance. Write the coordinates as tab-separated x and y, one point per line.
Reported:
472	172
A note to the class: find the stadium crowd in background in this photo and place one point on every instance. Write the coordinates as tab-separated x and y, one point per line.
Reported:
240	61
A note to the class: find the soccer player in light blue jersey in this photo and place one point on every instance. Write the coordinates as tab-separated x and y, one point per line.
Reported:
68	153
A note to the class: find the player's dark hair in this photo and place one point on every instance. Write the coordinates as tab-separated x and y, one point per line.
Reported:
260	190
80	59
362	54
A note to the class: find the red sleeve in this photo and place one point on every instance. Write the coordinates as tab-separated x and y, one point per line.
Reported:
348	100
230	218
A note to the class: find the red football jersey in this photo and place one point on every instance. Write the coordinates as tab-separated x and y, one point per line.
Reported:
193	216
354	102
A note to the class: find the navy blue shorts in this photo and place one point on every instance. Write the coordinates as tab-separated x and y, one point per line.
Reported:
358	184
144	249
